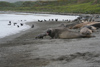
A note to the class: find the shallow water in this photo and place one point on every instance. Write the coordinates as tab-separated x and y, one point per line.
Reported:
22	18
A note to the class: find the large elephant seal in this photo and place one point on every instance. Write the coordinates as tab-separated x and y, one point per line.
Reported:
95	24
92	28
64	33
87	30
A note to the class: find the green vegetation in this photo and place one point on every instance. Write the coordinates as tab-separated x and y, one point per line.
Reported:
60	6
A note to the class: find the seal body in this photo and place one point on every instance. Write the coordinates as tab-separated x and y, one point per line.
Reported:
85	31
63	33
95	24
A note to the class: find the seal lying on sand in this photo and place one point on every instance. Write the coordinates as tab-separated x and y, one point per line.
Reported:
64	33
95	24
87	30
92	28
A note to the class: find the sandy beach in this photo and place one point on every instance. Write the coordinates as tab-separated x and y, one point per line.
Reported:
22	50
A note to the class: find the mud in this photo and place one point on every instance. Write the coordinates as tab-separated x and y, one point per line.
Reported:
22	50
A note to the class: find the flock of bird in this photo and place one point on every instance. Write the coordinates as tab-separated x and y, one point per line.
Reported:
18	24
53	20
15	24
32	26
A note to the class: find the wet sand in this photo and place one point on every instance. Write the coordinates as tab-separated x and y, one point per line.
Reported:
22	50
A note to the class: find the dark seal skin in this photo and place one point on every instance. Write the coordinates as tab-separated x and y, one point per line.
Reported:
92	28
64	33
97	25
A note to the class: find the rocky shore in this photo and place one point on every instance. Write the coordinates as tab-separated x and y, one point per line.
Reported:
22	50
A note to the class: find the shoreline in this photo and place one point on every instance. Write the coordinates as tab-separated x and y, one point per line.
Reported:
55	13
13	36
28	34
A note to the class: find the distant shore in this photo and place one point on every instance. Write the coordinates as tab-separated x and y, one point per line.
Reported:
56	13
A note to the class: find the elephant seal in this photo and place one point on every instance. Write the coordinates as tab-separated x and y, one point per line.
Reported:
91	28
95	24
79	25
64	33
87	30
